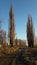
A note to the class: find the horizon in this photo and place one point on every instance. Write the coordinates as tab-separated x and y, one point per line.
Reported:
22	8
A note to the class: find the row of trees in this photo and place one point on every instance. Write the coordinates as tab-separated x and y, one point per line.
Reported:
30	32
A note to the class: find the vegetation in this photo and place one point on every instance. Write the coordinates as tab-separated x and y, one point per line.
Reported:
14	54
30	32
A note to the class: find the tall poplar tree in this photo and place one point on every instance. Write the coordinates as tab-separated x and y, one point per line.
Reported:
30	32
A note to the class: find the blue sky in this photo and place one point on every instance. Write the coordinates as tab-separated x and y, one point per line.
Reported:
22	8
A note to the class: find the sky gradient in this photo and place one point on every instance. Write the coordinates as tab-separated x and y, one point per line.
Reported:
22	8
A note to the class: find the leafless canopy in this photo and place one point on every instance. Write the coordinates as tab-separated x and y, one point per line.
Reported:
30	32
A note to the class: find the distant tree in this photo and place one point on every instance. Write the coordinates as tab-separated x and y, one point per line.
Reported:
16	41
30	32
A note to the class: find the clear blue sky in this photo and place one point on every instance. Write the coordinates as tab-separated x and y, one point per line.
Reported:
22	8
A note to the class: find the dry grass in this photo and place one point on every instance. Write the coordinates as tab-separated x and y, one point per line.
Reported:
8	49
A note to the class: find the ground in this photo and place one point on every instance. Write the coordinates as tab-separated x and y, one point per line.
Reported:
20	56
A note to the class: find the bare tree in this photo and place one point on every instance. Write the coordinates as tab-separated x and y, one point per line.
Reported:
12	27
30	32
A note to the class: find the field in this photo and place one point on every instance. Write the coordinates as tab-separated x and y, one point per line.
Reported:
18	56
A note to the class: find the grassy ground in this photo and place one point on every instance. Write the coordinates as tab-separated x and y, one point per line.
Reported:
6	60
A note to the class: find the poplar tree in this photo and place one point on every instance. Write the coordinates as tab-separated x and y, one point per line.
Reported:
30	32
